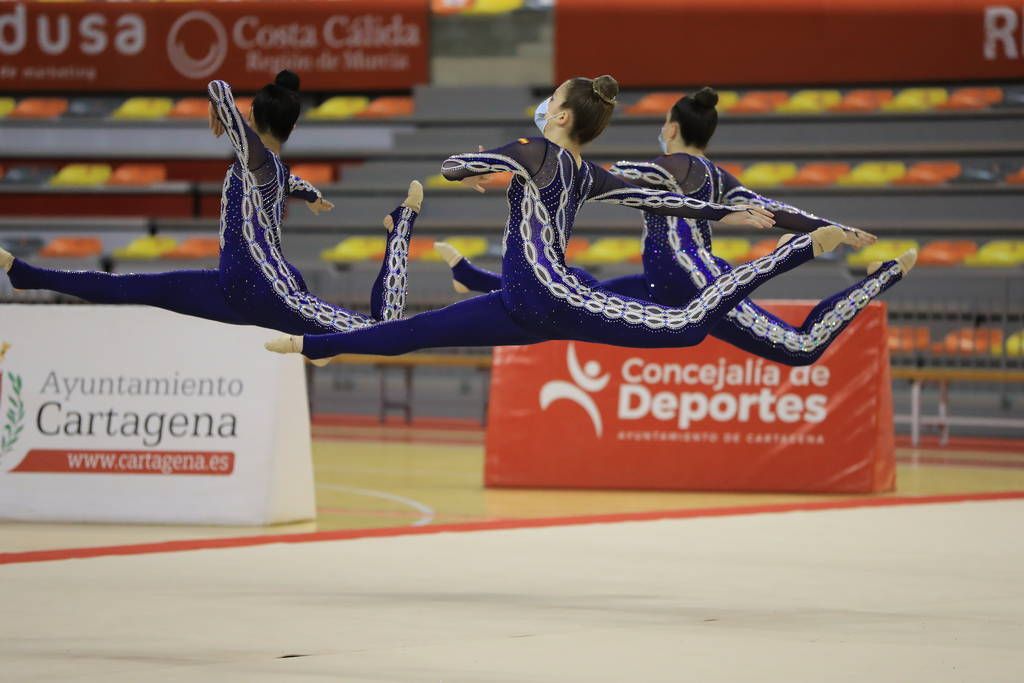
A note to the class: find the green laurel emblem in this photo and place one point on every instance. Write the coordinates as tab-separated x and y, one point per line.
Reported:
15	416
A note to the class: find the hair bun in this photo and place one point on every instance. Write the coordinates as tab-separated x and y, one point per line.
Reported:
706	97
607	88
287	80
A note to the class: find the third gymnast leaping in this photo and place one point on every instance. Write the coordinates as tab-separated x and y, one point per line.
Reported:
541	298
671	276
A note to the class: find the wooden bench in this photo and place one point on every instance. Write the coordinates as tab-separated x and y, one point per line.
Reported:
943	377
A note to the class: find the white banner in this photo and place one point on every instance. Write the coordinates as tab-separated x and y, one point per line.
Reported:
132	414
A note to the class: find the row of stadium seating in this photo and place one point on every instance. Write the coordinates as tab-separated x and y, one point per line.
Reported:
345	107
983	341
767	174
601	251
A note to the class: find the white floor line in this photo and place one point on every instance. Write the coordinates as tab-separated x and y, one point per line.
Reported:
426	512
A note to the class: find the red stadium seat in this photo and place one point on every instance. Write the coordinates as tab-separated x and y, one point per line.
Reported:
388	107
40	108
317	174
762	248
734	169
946	252
1016	178
577	245
864	100
654	104
72	247
138	175
908	339
195	248
759	102
971	340
819	174
973	98
930	173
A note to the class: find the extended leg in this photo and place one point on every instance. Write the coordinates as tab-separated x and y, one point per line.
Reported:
190	292
480	321
387	298
465	276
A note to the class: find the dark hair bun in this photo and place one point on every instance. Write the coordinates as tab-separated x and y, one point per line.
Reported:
287	80
705	97
607	88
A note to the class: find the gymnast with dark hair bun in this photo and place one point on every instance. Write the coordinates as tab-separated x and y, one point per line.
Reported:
254	284
540	296
674	273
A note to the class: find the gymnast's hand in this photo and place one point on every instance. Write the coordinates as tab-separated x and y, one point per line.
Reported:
477	182
750	217
858	239
321	205
216	127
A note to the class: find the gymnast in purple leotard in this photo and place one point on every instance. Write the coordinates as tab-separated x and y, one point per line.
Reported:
254	284
542	298
671	277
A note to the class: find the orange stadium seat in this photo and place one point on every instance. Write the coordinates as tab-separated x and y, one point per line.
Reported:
497	181
190	108
973	98
72	247
930	173
138	175
759	102
450	6
1017	177
317	174
654	104
907	338
195	248
971	340
39	108
576	246
762	248
863	100
819	174
946	252
388	107
422	249
733	168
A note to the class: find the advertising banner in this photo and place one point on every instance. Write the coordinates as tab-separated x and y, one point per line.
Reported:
130	414
653	43
709	417
173	46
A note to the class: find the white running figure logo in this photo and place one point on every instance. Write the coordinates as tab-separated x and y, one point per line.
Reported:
586	379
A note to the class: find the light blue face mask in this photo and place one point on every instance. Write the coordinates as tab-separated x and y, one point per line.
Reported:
540	115
662	142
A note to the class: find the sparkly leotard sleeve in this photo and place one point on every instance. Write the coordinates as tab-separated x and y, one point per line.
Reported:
787	217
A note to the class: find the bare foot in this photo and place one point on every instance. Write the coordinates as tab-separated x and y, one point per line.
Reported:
825	239
448	253
906	260
6	260
292	344
413	200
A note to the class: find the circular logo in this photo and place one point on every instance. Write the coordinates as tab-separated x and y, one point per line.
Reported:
187	65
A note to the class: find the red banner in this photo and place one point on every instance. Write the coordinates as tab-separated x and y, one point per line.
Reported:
710	417
127	462
743	42
169	46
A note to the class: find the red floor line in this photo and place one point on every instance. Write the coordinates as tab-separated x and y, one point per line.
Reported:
493	525
952	461
397	438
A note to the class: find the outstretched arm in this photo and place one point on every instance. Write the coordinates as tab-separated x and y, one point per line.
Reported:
613	190
297	187
225	118
524	157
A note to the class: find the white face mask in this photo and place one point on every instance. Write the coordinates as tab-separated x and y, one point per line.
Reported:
663	142
540	115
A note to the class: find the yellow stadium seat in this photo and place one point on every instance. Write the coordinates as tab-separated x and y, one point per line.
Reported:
997	254
143	108
610	250
1015	344
340	107
882	250
732	249
727	99
810	102
494	6
146	248
82	175
354	249
6	106
917	99
439	182
767	174
874	173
